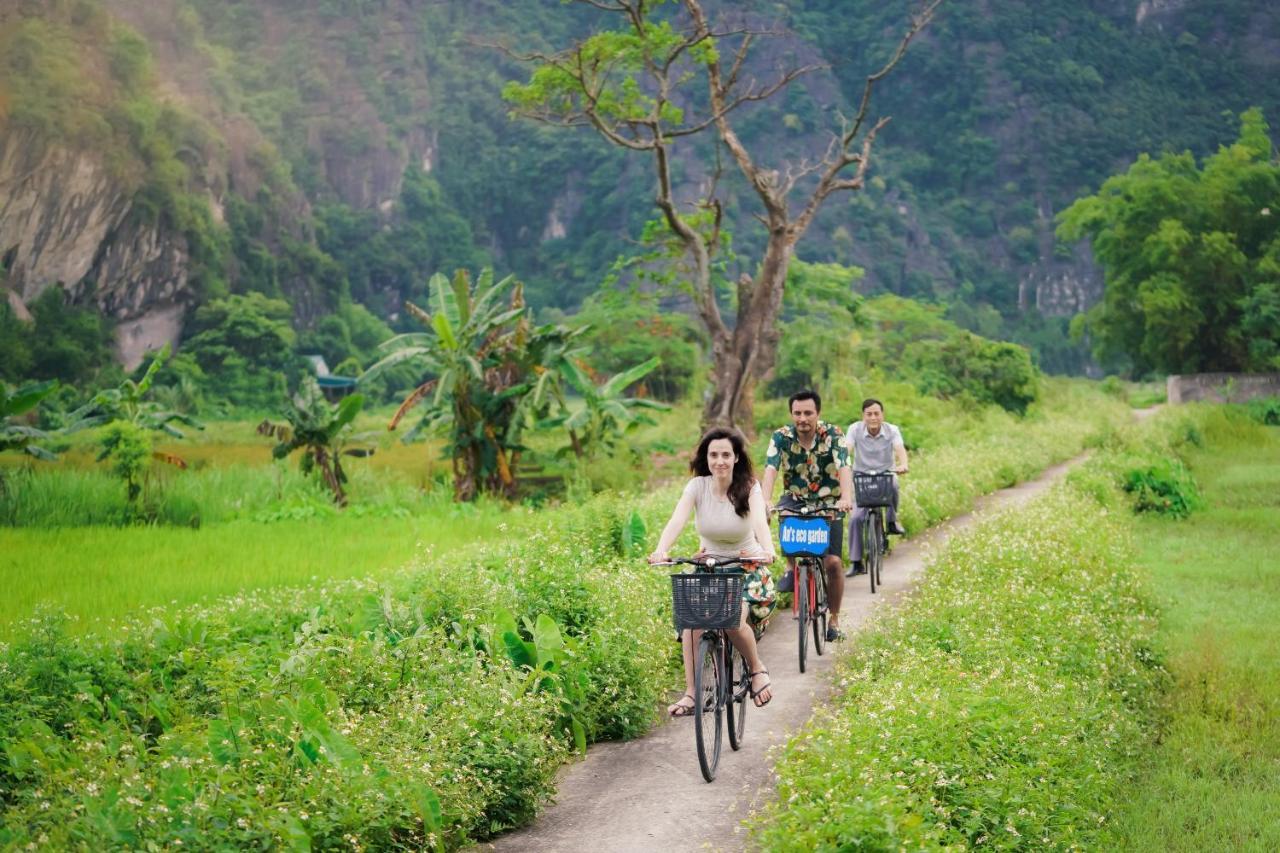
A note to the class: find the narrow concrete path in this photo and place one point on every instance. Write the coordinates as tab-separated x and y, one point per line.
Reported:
648	794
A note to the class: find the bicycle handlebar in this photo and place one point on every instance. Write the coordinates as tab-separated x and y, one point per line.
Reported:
804	512
710	562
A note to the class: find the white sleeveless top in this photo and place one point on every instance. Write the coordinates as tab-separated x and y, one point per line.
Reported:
721	531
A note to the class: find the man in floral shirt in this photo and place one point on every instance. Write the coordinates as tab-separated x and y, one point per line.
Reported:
814	463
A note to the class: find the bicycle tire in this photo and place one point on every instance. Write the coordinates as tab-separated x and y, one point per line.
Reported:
820	610
869	548
737	685
802	607
708	731
882	548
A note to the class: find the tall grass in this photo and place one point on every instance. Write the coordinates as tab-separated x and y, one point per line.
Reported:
72	497
1210	780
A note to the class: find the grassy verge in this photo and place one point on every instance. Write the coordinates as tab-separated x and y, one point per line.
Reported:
1213	780
1005	704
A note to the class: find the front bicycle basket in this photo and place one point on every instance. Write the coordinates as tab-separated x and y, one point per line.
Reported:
873	489
804	537
704	600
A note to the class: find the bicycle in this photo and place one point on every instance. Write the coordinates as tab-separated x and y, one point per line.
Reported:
873	491
710	600
805	535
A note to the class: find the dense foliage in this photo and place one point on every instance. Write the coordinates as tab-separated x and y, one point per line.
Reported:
63	342
1192	257
383	715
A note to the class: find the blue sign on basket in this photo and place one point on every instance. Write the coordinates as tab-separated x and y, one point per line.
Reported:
804	537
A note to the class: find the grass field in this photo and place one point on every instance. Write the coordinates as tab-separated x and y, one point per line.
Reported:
99	573
1213	781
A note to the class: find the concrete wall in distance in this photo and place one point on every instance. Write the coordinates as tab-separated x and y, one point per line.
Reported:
1222	387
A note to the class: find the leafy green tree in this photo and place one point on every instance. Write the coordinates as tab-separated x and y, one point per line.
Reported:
626	328
16	402
666	75
244	345
491	373
820	310
321	429
1192	259
128	446
985	371
62	341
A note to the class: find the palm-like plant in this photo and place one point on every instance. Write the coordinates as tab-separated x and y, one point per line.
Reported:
489	373
131	418
128	402
606	414
14	403
320	427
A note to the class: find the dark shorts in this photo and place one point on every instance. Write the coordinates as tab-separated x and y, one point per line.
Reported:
836	545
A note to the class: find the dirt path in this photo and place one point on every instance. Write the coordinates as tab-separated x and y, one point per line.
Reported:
648	794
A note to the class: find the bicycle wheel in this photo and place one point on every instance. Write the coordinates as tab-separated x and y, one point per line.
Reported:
737	683
877	546
869	548
802	606
882	546
819	583
708	673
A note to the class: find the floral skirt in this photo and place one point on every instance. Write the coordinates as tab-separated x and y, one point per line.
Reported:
760	594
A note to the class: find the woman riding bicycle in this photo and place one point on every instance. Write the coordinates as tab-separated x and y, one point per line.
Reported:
730	516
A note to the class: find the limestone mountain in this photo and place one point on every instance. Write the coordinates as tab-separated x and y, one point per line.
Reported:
157	153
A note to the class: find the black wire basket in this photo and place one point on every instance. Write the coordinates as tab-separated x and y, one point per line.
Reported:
703	600
872	489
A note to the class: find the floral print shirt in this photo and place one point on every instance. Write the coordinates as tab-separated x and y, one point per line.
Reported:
812	476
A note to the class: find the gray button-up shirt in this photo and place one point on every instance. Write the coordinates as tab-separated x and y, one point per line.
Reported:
872	452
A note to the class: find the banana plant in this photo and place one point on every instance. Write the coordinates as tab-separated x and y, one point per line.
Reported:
128	402
131	419
16	402
321	428
606	414
480	354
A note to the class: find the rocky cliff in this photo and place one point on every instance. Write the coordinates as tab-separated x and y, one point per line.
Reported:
66	221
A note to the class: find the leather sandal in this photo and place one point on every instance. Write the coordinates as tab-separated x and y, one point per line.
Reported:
756	693
679	709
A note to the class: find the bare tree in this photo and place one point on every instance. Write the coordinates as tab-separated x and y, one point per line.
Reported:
631	86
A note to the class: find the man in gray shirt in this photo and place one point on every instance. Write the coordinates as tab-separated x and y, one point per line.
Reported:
875	446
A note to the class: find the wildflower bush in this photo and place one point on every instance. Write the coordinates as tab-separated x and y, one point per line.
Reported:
998	708
356	714
1004	704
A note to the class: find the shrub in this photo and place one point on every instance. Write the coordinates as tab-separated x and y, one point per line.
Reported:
1166	488
1265	410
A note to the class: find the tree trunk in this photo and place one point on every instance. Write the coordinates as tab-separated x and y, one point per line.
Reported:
748	353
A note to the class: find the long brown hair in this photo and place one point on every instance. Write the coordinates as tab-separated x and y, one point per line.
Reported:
743	476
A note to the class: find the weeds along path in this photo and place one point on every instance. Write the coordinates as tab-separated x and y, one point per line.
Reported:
648	794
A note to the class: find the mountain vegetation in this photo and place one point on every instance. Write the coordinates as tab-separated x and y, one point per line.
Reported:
331	158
